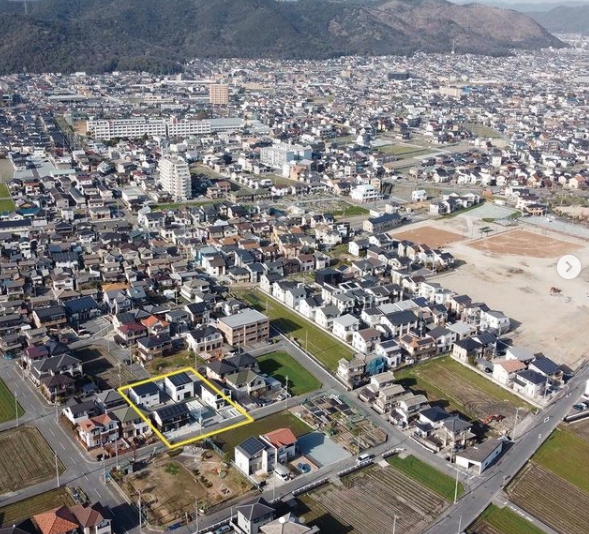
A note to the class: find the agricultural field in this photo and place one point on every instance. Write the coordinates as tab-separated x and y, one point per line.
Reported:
566	455
549	498
182	481
25	459
280	365
451	384
230	439
15	513
427	476
366	502
495	520
319	343
7	406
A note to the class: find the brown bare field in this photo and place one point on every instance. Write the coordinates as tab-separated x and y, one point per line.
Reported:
427	235
549	498
367	502
179	482
524	243
25	459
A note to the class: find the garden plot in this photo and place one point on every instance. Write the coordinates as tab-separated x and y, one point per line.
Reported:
25	459
368	501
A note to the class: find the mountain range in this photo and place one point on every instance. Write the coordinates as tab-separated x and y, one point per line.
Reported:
564	19
159	36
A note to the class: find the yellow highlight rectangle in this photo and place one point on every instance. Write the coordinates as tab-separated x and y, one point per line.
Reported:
249	418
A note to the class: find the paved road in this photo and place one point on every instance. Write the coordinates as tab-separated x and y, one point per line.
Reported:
486	490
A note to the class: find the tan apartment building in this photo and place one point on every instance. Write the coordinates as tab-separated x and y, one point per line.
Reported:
244	328
219	94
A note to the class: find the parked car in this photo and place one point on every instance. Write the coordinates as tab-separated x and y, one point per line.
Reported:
223	529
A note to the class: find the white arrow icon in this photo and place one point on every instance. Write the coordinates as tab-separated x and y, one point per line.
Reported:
568	267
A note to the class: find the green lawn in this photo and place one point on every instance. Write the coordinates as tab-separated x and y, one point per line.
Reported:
350	211
507	521
7	408
7	204
566	455
4	193
15	513
280	365
462	389
426	475
319	343
230	439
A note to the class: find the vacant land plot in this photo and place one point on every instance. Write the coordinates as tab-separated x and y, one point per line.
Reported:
566	455
495	520
230	439
451	384
15	513
25	459
281	365
319	343
8	408
524	243
6	170
349	210
430	236
179	484
367	502
551	499
108	372
519	286
426	475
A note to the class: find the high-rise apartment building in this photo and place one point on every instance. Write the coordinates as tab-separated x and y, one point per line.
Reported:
219	94
174	177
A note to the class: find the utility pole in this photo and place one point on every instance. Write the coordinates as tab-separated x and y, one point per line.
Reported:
117	451
394	524
460	525
140	514
456	486
515	424
286	397
56	411
16	407
196	525
57	469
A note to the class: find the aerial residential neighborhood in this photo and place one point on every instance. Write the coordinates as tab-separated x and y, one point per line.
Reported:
269	296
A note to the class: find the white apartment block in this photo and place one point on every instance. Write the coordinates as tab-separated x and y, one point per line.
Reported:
132	128
280	154
174	177
173	127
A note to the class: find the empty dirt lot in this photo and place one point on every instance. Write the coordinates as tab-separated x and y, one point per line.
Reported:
429	235
525	243
513	272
